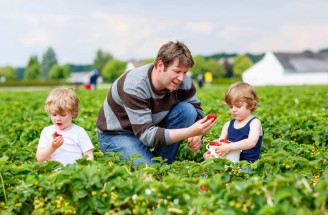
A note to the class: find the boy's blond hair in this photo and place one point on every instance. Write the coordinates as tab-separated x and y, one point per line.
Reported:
61	100
242	92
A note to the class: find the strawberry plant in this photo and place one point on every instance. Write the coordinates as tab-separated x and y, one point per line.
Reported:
290	177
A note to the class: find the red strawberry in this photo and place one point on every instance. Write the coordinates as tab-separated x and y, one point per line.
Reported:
203	188
214	143
54	135
210	116
224	141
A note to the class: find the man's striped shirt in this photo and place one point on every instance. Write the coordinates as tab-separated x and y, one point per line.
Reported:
133	105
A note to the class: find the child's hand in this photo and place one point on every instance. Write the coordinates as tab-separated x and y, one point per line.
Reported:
207	155
57	142
56	134
223	149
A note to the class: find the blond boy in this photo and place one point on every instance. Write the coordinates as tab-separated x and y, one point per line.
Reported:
244	130
63	141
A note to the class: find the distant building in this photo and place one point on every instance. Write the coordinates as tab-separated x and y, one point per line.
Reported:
289	69
79	77
82	77
2	79
133	65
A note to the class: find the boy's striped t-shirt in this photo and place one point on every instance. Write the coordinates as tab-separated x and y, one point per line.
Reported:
133	105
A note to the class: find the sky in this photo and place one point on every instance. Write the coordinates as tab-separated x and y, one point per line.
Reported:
135	30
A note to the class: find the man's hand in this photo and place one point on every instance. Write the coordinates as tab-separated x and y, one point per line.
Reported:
202	126
193	133
199	128
195	143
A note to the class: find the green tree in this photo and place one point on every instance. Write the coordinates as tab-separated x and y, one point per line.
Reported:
48	60
323	50
148	61
215	68
59	72
113	69
32	71
200	66
101	59
8	72
240	64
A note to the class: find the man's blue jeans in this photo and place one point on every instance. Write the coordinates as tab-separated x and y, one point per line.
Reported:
182	115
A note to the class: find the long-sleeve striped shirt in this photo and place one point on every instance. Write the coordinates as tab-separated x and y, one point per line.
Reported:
133	105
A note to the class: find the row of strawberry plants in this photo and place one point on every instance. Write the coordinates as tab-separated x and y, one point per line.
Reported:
92	187
293	155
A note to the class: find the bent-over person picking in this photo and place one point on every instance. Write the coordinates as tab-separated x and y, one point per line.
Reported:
154	106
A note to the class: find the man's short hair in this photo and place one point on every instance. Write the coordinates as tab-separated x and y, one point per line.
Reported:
172	50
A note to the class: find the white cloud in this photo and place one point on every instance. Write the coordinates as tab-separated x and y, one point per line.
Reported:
126	36
199	27
37	38
113	21
234	33
132	30
292	38
39	19
149	48
301	37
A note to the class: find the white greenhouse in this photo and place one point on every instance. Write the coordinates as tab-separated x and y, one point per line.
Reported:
289	69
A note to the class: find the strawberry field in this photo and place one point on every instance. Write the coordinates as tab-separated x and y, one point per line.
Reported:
291	176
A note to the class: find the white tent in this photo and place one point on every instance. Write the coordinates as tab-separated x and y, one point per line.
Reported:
289	69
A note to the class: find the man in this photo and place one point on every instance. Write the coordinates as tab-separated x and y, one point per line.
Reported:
153	106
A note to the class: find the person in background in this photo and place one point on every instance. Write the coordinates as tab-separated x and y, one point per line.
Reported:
93	75
150	110
200	80
245	130
63	141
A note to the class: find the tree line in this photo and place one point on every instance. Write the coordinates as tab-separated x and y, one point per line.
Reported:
221	66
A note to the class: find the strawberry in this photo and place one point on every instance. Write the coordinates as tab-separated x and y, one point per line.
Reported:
213	143
54	135
224	141
210	116
203	188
